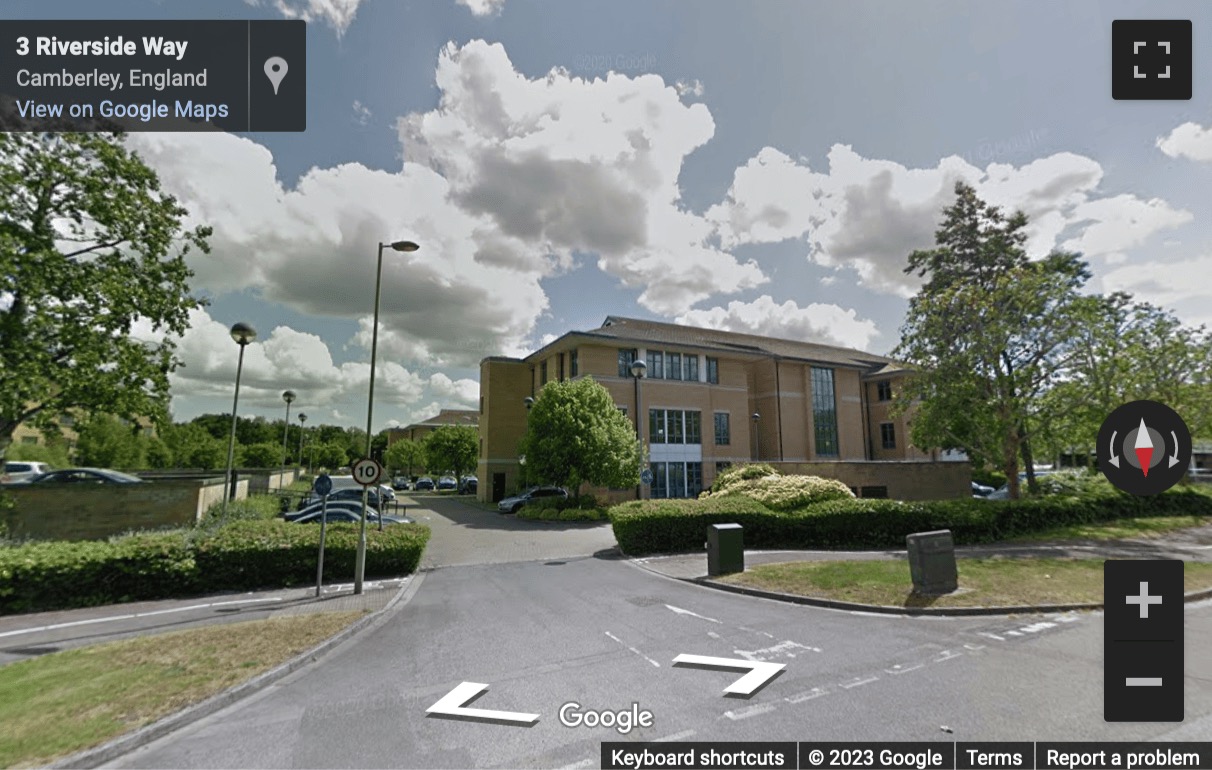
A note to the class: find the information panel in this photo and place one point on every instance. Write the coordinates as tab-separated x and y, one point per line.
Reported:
153	75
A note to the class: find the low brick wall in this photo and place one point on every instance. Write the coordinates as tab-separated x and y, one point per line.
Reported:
901	480
262	481
97	511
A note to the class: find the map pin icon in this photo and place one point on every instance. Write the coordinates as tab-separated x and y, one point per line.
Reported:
275	70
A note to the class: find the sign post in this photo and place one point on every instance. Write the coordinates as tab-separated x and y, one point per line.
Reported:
322	487
368	473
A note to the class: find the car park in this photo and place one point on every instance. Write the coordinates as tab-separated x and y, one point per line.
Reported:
515	503
424	484
19	471
341	516
333	505
372	498
85	476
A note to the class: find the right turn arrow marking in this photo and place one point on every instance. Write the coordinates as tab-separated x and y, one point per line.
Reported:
760	673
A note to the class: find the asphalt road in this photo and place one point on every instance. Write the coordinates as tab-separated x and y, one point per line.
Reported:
603	633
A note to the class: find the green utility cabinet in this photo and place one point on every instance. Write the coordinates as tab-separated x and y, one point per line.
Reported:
932	562
725	549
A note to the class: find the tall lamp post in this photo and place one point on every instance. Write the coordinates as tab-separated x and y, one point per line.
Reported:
288	397
243	334
302	430
638	368
757	437
360	561
529	402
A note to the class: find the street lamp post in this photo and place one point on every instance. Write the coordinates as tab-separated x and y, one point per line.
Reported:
638	368
302	430
360	561
757	437
288	397
243	334
529	402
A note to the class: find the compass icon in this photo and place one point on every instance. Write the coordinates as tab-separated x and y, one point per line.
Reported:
1144	448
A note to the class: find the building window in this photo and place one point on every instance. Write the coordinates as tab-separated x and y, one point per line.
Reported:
674	421
481	405
888	435
694	428
572	364
694	479
675	426
561	367
690	368
722	432
626	358
543	373
883	390
677	479
713	370
655	364
675	366
722	466
824	412
659	486
878	493
656	426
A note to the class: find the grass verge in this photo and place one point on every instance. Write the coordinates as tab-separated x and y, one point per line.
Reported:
993	582
65	702
1119	529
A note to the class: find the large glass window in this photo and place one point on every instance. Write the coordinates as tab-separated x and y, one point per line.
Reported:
713	370
677	479
655	364
690	368
675	426
723	432
694	428
824	412
659	487
673	422
694	479
572	364
626	357
656	426
675	366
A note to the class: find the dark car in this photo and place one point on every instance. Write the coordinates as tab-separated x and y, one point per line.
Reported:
354	506
349	493
85	476
468	484
447	482
341	516
980	490
514	504
424	484
400	483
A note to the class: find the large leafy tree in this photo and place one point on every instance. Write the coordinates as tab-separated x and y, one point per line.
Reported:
330	455
575	434
405	454
89	245
105	442
193	446
263	455
453	448
989	333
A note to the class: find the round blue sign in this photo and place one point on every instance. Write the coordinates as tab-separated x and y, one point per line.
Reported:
646	475
323	484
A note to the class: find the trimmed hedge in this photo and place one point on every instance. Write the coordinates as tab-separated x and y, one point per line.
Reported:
678	526
541	512
242	556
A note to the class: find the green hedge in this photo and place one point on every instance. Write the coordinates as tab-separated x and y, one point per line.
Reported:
677	526
545	512
242	556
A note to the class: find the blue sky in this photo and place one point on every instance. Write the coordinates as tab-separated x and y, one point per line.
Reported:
762	167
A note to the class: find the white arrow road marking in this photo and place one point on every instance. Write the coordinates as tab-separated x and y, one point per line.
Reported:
759	672
681	611
451	704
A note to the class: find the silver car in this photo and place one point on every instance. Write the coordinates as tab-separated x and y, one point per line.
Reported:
515	503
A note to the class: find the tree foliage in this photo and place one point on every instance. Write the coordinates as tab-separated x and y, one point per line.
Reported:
575	434
405	454
331	455
452	449
89	246
105	442
263	455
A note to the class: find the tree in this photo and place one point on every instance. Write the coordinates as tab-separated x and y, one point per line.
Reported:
52	452
89	245
263	455
404	454
330	455
105	442
452	448
988	334
575	434
193	446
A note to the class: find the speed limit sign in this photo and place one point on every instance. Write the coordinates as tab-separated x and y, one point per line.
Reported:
367	472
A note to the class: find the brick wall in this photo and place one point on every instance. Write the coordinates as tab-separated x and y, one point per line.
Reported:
903	480
97	511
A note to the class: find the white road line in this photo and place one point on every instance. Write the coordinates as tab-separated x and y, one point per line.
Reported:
947	655
782	648
992	636
637	652
815	692
755	631
681	611
713	635
1040	626
110	618
1013	633
674	737
752	711
859	682
974	647
899	669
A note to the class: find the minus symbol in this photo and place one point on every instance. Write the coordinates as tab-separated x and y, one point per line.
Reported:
1143	681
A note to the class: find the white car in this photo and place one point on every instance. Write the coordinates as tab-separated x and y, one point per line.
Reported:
19	471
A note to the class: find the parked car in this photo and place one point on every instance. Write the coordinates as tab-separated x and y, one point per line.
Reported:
18	471
447	482
333	505
342	516
424	484
387	493
85	476
514	504
468	484
400	483
1003	492
372	498
980	490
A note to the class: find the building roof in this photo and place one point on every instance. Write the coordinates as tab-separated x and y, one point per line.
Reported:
447	417
638	330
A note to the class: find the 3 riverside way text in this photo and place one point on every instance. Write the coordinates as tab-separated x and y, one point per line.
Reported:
1025	755
140	75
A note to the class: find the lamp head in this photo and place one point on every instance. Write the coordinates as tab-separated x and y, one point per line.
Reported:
288	396
407	246
638	368
302	417
528	401
756	417
243	334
